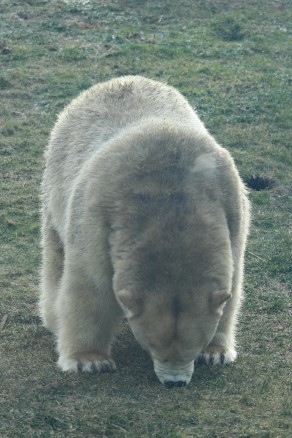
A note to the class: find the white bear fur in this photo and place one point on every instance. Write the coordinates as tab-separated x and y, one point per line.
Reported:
143	214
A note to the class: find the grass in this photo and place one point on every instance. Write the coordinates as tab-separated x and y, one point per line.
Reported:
230	59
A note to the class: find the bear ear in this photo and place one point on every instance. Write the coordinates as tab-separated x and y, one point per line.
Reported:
131	305
219	298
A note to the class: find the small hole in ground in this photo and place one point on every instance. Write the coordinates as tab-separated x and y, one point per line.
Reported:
258	183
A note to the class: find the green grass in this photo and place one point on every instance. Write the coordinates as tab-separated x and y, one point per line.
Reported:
230	59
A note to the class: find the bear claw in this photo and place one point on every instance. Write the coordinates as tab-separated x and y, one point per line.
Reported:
214	358
93	365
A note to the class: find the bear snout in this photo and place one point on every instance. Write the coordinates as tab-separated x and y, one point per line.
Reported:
174	376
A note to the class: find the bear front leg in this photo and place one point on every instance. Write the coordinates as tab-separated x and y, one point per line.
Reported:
87	317
222	348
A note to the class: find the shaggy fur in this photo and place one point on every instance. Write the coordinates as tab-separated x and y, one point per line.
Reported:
143	214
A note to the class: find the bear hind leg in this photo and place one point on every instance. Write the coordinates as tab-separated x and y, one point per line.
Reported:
51	274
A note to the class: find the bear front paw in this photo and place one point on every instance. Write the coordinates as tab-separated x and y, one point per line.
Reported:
90	362
216	355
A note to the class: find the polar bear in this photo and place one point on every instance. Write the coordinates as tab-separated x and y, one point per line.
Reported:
143	215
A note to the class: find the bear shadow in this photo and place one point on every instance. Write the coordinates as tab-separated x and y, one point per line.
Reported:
129	355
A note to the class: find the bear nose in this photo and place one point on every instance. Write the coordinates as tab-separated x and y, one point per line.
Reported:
179	384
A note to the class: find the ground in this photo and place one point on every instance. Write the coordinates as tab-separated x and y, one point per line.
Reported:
230	59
